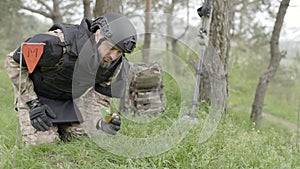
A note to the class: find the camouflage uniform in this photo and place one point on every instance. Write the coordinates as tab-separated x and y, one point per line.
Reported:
91	102
90	105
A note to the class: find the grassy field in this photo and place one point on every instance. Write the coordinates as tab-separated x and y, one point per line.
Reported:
235	144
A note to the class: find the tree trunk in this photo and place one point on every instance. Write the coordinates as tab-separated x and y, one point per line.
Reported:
214	83
147	38
56	15
104	6
170	40
276	56
87	13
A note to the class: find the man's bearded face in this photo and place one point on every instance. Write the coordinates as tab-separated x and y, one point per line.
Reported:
108	53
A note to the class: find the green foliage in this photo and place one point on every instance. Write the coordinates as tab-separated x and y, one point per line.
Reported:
248	64
250	21
16	27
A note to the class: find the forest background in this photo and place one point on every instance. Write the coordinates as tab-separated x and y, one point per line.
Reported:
236	143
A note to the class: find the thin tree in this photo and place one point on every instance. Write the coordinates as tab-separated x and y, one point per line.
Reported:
87	12
171	40
104	6
147	38
276	56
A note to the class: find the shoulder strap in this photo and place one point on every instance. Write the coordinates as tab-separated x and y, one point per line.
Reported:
75	35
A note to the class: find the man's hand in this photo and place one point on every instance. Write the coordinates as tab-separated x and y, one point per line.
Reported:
110	124
40	115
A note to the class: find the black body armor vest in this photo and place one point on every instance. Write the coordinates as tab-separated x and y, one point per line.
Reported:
53	78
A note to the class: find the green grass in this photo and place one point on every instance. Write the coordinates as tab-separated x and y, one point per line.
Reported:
235	144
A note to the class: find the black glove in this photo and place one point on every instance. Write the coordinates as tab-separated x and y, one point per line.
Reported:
40	115
110	124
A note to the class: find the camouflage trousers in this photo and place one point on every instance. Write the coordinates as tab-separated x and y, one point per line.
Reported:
89	105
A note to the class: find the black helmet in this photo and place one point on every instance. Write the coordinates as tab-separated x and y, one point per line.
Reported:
117	29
